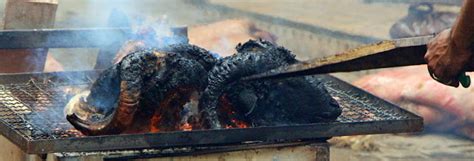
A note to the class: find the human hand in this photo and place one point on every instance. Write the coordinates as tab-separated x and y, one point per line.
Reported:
446	60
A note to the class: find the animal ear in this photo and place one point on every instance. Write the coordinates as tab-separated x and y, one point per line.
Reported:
248	99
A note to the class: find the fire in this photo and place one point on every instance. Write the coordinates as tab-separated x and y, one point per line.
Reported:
155	120
236	124
230	114
186	127
227	114
239	124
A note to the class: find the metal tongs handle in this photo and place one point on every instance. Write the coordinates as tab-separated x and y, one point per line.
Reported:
383	54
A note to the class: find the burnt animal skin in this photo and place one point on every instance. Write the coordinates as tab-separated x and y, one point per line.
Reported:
193	53
281	102
147	89
137	85
270	100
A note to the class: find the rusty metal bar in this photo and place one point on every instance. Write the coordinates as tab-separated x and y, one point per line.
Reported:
62	38
72	38
383	54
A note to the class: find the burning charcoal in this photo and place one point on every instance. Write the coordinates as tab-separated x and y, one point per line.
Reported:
142	86
265	102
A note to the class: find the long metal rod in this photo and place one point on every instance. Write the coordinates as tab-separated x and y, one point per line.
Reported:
62	38
388	53
71	38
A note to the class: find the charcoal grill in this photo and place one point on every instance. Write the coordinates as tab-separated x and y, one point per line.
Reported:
31	116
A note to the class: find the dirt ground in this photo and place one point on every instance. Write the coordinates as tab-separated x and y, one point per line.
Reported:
351	16
389	147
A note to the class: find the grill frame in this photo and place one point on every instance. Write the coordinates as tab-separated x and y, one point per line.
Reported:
403	121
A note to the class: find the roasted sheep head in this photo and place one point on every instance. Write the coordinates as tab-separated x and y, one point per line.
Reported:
132	91
148	89
264	102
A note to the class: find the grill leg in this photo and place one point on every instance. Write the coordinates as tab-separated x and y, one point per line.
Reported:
43	157
39	157
322	151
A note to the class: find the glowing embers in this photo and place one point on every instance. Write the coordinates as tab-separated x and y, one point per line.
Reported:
186	117
228	115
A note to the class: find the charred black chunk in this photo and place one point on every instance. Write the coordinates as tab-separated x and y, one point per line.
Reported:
137	93
282	102
193	53
138	84
265	102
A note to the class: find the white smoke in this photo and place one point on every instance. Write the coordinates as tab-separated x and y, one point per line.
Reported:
110	13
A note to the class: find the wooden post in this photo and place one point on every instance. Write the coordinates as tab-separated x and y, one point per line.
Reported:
26	14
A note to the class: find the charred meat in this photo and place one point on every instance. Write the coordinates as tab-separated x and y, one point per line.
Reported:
148	90
264	102
138	84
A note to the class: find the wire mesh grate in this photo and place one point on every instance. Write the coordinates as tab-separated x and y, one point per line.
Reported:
35	109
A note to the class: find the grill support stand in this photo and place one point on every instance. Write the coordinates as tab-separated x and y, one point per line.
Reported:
304	151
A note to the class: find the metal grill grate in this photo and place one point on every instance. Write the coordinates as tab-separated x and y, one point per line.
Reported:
33	108
361	108
36	109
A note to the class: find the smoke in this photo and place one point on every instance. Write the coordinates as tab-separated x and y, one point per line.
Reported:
149	20
153	29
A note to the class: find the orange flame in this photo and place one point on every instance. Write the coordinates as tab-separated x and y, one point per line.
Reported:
155	121
186	127
239	124
227	108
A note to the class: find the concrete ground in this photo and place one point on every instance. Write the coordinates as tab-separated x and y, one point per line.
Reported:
351	16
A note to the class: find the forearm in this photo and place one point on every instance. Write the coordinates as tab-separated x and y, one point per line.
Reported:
462	32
